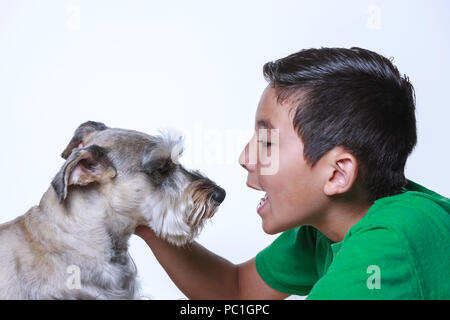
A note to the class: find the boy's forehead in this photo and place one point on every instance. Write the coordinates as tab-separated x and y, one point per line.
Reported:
270	114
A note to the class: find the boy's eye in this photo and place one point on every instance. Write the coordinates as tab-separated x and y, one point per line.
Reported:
265	143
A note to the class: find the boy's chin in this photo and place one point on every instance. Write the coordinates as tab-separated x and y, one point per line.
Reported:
271	228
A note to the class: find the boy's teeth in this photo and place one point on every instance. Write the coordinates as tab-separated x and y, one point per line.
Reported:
261	202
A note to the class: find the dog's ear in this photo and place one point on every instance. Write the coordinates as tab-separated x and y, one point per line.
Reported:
82	135
83	166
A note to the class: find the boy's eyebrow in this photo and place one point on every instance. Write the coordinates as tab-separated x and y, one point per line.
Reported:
264	124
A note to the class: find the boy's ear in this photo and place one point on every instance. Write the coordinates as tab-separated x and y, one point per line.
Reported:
343	174
83	166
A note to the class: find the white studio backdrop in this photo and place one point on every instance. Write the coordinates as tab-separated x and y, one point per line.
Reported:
195	66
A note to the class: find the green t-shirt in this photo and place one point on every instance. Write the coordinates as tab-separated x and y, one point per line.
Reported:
400	249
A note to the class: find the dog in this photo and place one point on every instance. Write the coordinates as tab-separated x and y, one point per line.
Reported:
112	181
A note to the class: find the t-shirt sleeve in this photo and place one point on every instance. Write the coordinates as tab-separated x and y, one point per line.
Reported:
288	264
374	263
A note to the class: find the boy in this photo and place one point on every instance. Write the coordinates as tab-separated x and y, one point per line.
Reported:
353	227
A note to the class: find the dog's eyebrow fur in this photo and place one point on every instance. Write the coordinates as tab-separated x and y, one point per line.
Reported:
195	175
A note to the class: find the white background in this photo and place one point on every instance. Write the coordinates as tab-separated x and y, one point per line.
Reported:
195	66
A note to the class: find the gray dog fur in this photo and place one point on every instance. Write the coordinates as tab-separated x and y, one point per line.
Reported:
112	181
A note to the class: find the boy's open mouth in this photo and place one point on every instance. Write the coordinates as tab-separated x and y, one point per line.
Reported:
262	203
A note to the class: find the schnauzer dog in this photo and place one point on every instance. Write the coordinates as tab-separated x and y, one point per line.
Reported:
112	181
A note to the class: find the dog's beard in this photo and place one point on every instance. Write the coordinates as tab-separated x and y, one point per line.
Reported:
180	223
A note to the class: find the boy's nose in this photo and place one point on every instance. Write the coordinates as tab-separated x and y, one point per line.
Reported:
248	160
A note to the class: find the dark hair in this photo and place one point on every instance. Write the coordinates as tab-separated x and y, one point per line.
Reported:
354	98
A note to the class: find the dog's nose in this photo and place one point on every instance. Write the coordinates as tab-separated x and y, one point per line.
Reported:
218	195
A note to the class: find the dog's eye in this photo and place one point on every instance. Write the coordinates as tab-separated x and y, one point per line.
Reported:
164	169
159	170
